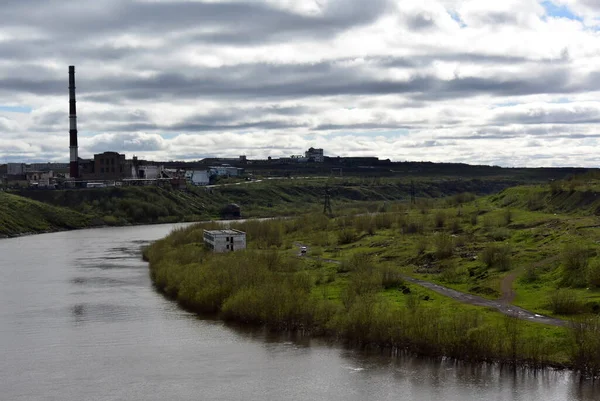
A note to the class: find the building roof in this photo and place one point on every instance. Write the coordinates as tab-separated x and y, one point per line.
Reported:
225	232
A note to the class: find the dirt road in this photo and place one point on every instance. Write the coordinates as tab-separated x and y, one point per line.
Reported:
502	305
499	305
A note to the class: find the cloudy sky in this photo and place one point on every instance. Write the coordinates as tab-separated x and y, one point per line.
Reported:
510	83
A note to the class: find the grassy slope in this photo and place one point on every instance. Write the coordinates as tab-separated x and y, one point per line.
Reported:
261	199
21	215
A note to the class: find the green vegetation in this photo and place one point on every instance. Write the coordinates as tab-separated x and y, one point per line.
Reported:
281	197
19	215
351	284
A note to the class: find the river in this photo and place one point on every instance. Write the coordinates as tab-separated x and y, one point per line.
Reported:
80	321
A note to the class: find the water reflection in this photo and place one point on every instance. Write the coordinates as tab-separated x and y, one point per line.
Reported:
80	320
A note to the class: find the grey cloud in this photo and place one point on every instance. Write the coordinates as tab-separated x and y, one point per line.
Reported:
125	142
360	126
419	22
550	116
234	21
266	125
254	81
261	80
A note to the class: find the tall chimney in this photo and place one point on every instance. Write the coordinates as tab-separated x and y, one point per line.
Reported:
74	164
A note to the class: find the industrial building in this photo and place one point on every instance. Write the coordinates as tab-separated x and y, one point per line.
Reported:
315	155
225	240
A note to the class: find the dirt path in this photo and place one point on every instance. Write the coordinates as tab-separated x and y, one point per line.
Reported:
508	294
502	305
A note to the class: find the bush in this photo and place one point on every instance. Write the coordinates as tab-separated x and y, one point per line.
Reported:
357	262
413	227
474	218
565	302
574	258
500	234
347	236
593	275
455	226
391	277
440	219
497	256
535	201
444	245
421	245
530	275
452	274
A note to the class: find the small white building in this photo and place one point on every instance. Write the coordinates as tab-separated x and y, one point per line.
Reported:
148	172
225	240
198	177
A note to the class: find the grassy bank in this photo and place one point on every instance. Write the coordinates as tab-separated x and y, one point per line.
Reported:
363	297
20	215
282	197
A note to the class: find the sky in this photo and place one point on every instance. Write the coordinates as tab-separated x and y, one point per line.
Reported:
511	83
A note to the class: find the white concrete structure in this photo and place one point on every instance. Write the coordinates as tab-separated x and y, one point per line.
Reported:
198	177
225	240
148	172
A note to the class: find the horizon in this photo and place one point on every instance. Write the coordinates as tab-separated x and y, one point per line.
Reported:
442	81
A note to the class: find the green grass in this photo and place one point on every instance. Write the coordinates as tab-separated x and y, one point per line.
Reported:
351	300
20	215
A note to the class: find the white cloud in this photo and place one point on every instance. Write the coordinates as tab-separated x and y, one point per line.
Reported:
441	80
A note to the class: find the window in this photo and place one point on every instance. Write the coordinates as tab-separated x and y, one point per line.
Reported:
113	169
101	169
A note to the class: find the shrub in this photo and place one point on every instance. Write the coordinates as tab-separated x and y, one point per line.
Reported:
593	275
530	275
500	234
421	245
497	256
455	226
474	218
452	274
357	262
440	219
413	227
534	201
444	245
391	277
347	236
574	258
384	220
565	302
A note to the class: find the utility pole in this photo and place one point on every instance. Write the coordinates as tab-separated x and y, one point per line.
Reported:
327	203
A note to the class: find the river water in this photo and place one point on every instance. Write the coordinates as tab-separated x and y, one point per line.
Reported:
79	320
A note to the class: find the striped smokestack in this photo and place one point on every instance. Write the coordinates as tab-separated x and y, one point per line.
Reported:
73	165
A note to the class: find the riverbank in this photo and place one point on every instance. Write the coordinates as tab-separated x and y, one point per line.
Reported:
363	300
120	206
80	308
20	216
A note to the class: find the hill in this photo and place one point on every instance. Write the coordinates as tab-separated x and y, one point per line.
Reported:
19	215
